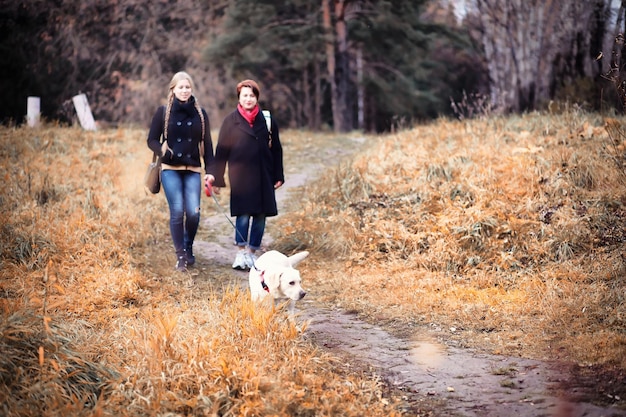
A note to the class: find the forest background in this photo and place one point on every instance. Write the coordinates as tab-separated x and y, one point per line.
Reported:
339	65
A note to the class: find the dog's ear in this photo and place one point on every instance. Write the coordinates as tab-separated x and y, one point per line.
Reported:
272	279
297	258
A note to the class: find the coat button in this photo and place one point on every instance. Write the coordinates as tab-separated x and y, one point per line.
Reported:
179	123
179	140
189	123
188	139
179	154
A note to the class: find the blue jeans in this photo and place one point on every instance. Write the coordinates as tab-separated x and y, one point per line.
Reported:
182	190
242	225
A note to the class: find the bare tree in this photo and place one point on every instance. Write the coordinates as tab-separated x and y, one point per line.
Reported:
527	41
337	61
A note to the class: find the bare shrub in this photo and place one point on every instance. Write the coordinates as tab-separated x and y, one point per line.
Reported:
474	105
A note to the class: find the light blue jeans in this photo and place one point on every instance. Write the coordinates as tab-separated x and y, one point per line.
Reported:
242	226
182	190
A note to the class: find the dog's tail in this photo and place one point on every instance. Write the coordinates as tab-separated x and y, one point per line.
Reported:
297	258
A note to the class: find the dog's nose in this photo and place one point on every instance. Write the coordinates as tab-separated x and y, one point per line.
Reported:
302	294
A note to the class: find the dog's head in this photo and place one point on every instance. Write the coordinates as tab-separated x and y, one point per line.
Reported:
285	282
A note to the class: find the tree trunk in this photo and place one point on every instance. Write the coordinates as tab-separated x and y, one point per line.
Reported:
360	89
307	107
527	42
617	43
338	62
317	118
330	60
342	73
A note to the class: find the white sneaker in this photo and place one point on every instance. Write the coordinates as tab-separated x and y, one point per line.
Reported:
240	261
250	259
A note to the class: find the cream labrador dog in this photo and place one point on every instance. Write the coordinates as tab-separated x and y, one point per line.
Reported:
274	274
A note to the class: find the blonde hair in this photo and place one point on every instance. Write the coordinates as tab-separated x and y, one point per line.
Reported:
181	75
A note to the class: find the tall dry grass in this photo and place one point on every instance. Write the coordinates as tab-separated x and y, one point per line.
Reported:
94	320
506	234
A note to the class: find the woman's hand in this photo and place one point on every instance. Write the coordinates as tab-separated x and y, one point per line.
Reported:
278	184
210	179
164	148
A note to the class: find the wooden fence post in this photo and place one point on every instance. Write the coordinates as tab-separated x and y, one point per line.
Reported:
33	111
84	112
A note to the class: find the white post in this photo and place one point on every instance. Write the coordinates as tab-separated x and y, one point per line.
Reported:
33	111
84	112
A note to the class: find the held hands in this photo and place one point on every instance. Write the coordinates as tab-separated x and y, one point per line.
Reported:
209	189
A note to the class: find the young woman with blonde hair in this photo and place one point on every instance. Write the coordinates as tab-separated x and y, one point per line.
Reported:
180	134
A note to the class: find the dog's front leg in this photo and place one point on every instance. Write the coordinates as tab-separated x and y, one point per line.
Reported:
291	309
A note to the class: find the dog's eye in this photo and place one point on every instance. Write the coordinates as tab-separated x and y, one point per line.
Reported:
292	282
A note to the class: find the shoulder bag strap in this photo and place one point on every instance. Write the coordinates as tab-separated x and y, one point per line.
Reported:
268	123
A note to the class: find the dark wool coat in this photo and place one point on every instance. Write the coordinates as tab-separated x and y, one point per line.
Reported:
253	167
183	136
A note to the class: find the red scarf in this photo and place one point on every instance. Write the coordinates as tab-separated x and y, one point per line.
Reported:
248	115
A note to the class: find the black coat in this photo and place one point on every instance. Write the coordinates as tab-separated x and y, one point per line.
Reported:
253	167
183	136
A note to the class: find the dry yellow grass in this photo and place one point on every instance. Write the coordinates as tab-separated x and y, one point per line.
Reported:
94	320
509	230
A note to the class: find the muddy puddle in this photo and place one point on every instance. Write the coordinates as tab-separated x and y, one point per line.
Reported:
428	368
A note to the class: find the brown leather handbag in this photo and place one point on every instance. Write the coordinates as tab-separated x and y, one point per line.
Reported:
152	180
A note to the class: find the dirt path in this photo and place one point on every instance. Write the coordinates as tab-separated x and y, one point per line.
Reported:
429	369
462	382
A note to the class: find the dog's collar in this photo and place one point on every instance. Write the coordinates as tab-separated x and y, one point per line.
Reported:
263	284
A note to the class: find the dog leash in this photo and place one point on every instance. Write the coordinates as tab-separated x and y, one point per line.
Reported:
208	189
